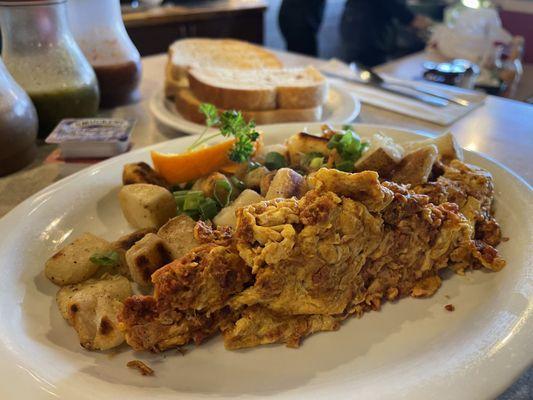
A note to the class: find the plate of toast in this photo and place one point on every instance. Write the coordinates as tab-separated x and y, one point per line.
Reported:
235	75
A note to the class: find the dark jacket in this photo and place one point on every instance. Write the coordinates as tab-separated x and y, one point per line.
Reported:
368	28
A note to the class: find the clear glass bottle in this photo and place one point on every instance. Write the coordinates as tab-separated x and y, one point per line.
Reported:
99	30
18	125
43	57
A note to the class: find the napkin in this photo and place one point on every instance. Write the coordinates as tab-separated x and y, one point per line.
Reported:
371	95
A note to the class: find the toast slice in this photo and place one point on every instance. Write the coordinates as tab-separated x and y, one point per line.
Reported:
187	105
172	85
260	89
217	53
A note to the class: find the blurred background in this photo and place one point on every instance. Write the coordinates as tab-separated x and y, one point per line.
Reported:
495	36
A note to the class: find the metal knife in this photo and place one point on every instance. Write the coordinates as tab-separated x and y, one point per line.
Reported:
430	100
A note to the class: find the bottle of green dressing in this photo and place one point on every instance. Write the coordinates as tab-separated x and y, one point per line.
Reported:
43	57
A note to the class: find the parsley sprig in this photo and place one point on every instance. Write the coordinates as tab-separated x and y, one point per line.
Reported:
231	124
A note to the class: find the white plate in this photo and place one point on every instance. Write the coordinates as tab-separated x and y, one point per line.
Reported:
341	108
413	349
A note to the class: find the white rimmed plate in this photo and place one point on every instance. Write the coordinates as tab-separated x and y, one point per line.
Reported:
412	349
341	108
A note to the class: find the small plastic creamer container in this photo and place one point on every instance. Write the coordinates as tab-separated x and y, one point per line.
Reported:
92	137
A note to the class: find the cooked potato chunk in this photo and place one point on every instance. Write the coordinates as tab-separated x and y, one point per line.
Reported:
120	246
382	156
304	143
286	183
92	308
179	234
146	206
127	241
252	179
416	166
446	145
142	173
207	184
72	264
227	216
147	256
266	181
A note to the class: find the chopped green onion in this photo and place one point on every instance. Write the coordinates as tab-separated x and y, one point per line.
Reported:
208	209
237	183
180	193
316	163
222	192
274	160
253	165
109	258
308	157
194	214
334	141
194	204
349	147
345	165
180	201
191	203
350	144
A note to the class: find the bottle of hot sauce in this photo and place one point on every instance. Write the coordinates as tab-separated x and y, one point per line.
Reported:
99	30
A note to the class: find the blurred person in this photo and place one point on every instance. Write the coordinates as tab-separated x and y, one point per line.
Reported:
299	22
369	29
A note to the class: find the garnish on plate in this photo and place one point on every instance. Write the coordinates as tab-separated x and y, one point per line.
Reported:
108	259
231	124
349	147
199	161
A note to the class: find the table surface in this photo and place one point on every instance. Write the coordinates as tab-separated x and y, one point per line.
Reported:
502	129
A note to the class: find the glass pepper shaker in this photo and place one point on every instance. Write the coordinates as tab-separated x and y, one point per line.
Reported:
99	30
43	57
18	125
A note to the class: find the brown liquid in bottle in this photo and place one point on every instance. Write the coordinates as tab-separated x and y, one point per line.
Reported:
118	83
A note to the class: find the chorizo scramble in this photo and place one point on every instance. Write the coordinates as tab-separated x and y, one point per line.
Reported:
292	239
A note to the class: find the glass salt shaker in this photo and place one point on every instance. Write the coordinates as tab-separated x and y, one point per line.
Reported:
99	30
18	125
42	56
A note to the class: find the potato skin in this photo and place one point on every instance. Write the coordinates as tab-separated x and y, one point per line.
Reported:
178	233
92	307
141	172
286	183
147	256
447	146
146	206
227	217
72	263
416	166
303	143
252	179
207	184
